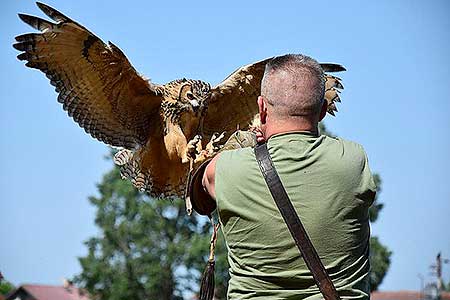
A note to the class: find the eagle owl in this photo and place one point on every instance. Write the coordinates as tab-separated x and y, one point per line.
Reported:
159	128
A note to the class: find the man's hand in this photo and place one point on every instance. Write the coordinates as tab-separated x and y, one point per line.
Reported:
259	134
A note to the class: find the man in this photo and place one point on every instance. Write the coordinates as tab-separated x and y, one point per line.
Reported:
327	179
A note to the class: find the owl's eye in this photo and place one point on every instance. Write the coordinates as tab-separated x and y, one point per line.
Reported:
190	96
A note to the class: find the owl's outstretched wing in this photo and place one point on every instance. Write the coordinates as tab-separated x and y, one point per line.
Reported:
97	85
233	101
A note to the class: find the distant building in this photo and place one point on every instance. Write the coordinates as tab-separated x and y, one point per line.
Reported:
407	295
47	292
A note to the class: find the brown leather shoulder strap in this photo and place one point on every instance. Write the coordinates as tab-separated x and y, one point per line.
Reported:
294	224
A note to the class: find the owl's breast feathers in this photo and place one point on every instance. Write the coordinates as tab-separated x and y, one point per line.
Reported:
160	167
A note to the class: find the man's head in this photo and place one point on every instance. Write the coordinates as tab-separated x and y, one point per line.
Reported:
292	91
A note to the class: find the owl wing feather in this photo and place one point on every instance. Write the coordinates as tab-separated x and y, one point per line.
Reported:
333	86
233	101
97	85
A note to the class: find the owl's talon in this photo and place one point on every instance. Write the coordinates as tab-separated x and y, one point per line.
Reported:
194	147
212	147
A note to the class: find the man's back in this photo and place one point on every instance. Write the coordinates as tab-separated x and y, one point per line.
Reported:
330	185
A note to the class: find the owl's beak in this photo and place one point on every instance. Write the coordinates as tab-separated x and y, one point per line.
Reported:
195	105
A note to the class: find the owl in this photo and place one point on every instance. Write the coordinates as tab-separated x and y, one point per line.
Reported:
162	131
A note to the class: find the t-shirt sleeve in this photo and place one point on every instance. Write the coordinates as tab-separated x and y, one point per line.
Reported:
367	187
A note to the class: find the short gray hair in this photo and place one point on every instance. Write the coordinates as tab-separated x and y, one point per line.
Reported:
294	84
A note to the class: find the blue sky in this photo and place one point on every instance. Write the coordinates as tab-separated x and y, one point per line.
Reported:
396	104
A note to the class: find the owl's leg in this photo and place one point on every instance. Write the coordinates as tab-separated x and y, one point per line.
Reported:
211	148
193	148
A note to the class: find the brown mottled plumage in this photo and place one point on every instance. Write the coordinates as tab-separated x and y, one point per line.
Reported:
104	94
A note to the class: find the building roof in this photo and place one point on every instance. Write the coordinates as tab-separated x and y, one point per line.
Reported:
404	295
50	292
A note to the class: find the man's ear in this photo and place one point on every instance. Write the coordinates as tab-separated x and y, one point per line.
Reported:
323	110
262	110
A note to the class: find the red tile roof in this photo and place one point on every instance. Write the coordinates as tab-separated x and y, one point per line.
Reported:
404	295
49	292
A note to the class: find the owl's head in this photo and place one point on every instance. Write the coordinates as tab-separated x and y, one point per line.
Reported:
186	95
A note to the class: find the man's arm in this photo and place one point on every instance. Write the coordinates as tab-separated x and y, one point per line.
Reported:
202	193
209	177
202	187
240	139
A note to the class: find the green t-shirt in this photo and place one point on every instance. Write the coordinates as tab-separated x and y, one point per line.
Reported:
331	187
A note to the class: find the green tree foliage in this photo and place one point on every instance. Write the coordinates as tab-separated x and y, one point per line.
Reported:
145	248
380	259
380	256
446	287
5	287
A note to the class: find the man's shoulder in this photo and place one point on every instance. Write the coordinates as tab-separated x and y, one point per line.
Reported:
346	146
233	167
235	155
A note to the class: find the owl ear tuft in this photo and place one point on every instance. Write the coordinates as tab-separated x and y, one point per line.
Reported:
183	90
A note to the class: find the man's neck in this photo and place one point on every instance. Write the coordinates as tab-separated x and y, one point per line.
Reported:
278	127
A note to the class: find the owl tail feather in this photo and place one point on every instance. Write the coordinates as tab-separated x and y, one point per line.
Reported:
127	161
